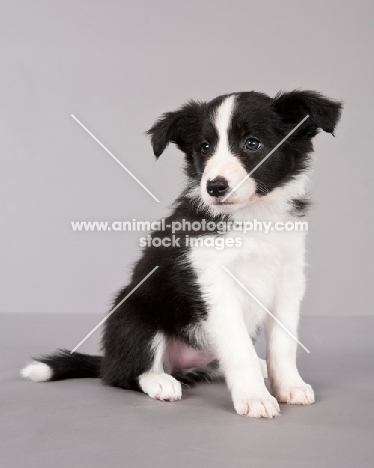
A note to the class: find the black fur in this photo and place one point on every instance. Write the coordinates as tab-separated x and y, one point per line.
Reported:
300	206
256	115
192	377
170	300
70	366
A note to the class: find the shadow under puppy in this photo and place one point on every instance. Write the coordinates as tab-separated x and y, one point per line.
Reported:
190	319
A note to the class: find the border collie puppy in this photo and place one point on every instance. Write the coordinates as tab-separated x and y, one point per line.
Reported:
190	319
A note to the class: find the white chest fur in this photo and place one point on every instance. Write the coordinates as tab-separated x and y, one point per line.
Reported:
261	263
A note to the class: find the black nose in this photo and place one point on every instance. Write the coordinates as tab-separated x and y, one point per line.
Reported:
217	187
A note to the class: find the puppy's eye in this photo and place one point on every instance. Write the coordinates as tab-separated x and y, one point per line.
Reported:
252	144
204	148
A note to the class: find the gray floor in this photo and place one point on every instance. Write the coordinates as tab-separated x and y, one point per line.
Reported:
80	423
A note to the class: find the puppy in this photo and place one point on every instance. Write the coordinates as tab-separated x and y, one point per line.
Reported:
191	320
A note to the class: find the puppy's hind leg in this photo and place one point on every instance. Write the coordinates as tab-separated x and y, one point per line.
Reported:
155	382
134	352
203	374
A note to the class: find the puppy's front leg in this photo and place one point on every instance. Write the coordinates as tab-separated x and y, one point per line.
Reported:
239	361
285	380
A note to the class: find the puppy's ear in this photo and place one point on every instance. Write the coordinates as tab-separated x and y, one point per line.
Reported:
323	113
175	127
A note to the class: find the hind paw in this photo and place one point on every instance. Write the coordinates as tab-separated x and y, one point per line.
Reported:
160	386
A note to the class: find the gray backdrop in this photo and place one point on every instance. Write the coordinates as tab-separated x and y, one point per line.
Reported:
117	65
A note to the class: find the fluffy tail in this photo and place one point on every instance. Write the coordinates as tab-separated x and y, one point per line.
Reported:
63	365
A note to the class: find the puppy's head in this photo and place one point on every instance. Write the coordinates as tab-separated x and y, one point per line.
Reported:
227	140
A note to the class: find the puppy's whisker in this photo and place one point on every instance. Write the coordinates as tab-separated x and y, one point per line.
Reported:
261	187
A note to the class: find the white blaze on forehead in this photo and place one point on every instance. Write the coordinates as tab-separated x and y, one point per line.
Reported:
222	123
223	163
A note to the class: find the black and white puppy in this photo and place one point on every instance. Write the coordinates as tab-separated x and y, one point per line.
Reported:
191	319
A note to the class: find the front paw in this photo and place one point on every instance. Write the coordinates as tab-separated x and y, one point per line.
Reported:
257	406
299	394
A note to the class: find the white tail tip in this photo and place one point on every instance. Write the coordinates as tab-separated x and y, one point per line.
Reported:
37	372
